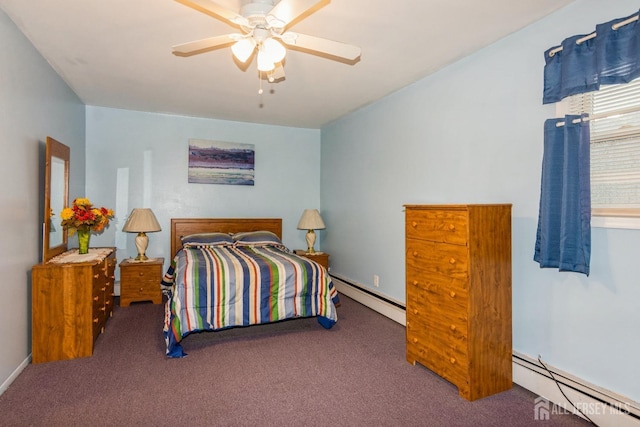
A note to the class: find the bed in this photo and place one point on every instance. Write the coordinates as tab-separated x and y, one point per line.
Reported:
229	273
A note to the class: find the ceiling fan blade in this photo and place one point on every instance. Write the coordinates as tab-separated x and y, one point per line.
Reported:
320	45
213	9
287	11
204	45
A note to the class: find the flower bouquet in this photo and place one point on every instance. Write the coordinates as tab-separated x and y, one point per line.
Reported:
84	219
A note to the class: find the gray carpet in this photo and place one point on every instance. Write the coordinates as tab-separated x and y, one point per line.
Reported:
294	373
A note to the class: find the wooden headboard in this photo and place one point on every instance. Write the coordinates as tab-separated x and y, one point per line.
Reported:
185	226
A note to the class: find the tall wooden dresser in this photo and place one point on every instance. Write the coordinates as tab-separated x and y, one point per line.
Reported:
72	298
458	272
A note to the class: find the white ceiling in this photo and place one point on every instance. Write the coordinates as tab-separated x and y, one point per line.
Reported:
117	53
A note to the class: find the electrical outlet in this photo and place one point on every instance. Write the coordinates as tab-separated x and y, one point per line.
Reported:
376	280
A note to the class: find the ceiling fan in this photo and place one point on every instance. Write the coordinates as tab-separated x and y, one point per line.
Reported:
264	28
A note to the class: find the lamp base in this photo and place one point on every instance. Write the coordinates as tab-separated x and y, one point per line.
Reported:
311	239
142	241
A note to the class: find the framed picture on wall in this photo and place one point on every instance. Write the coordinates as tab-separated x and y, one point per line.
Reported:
220	162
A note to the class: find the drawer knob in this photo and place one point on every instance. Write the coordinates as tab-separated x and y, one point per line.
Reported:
453	327
415	253
141	273
452	360
415	311
415	283
141	289
414	224
452	294
452	227
452	260
415	340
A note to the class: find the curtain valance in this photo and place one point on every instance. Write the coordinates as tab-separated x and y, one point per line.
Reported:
585	62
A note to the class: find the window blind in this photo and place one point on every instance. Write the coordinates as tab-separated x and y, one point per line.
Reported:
615	146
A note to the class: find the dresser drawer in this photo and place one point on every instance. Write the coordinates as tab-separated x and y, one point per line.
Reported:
439	311
441	289
96	315
437	226
445	356
452	333
430	258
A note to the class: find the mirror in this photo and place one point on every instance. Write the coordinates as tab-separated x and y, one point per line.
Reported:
56	198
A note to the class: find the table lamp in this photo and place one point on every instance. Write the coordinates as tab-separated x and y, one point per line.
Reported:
311	220
141	221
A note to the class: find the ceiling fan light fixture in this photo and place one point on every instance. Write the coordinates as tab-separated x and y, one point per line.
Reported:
243	48
274	50
264	33
264	62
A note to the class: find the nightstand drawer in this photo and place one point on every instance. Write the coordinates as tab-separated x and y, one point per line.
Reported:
140	281
139	275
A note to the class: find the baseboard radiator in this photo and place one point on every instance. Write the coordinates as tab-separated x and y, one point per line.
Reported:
386	306
561	394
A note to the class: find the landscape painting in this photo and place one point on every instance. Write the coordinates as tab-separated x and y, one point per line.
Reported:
219	162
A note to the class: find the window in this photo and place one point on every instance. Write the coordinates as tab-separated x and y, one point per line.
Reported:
615	152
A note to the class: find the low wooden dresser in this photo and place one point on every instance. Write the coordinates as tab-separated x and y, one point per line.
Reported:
458	294
72	298
140	281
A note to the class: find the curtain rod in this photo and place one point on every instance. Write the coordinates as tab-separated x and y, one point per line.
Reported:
603	115
592	35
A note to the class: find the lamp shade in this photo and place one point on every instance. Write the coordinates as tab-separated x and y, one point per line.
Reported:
311	220
141	220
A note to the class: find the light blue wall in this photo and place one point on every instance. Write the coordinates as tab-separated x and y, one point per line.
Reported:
287	173
472	133
34	103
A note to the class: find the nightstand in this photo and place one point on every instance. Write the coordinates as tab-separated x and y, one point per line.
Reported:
321	258
140	281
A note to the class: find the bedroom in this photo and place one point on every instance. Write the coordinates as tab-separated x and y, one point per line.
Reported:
474	136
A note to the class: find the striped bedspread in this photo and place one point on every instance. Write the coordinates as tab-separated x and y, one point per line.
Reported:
218	287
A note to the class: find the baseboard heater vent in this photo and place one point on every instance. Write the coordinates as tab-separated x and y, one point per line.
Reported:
563	393
384	305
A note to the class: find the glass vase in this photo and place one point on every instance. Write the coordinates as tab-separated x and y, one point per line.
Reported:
83	241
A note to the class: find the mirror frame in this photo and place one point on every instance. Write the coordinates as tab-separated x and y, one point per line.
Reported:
61	151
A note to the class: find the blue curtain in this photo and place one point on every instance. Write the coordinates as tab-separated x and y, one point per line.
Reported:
563	238
611	57
564	223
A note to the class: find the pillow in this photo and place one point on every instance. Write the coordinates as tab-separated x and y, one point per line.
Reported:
206	239
257	238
